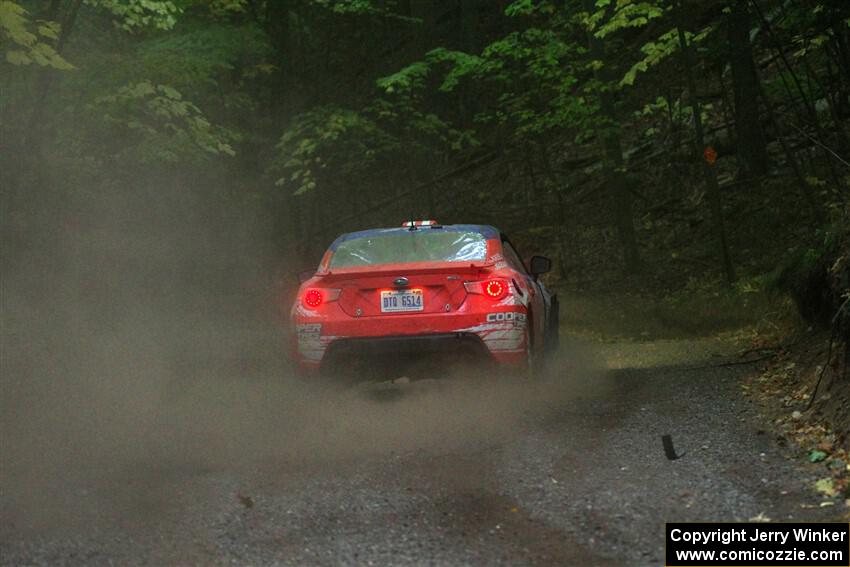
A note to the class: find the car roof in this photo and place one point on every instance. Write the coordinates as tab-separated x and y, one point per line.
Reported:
484	230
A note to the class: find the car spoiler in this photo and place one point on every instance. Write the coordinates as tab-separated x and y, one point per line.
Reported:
408	269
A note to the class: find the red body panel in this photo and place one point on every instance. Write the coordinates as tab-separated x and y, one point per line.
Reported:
452	303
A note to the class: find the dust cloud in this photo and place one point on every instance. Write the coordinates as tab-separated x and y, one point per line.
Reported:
142	339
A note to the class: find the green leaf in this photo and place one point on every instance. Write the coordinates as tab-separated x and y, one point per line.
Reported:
170	92
164	127
817	456
18	57
49	30
14	22
138	15
26	47
519	8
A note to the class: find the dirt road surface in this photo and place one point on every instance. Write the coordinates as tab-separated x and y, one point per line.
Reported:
241	466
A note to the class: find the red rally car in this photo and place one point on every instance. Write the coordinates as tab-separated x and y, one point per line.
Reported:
424	287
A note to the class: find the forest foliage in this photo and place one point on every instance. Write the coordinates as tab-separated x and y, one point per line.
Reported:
665	138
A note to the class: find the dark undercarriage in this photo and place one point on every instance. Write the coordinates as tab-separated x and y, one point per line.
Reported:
419	356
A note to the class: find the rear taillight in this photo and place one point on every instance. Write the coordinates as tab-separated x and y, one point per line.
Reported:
312	298
494	289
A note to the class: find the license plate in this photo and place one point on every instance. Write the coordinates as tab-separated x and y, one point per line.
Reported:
407	300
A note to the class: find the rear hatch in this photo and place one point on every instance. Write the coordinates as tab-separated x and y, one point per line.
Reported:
385	292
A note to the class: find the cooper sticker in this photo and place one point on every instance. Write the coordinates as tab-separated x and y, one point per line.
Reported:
506	316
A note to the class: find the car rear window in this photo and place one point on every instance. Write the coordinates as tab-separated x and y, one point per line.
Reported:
410	246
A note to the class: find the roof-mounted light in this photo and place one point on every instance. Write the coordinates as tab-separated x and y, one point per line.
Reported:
418	223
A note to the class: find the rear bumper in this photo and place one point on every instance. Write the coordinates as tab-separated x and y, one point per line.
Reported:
503	341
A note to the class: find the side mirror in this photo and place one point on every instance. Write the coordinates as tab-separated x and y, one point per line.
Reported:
305	275
540	265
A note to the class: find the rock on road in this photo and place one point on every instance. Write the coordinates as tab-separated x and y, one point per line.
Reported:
565	471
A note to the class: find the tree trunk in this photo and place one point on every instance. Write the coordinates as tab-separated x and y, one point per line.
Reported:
751	143
46	75
278	25
620	198
468	25
714	201
805	189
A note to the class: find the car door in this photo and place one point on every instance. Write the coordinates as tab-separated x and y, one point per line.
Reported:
539	297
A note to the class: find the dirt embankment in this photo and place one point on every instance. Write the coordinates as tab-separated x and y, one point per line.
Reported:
803	395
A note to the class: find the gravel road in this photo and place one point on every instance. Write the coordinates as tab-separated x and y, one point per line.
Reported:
257	470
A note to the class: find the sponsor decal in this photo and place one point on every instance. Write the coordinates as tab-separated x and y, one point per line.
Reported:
504	331
502	336
311	343
506	316
309	331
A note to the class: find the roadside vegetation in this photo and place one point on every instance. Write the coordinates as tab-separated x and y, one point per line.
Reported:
686	163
